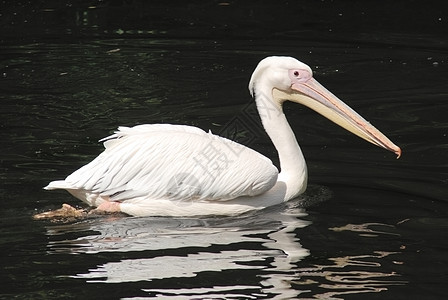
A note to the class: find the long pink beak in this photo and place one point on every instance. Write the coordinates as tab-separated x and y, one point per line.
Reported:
312	94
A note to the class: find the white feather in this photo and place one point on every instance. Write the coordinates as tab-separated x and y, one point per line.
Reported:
172	162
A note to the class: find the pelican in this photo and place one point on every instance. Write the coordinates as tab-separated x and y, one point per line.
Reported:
178	170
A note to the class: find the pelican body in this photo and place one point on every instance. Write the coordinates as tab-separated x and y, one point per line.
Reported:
177	170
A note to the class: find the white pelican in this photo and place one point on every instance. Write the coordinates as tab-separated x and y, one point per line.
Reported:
177	170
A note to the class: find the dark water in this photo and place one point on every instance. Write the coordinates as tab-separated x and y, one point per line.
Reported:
369	226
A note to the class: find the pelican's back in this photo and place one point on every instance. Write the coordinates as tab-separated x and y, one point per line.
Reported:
172	162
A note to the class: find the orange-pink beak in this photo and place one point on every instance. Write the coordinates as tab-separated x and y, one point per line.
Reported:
312	94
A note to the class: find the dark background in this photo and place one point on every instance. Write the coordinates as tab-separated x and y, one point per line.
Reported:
221	19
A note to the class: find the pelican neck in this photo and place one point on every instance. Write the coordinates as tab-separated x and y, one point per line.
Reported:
292	163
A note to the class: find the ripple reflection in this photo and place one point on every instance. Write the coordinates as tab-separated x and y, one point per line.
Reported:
254	256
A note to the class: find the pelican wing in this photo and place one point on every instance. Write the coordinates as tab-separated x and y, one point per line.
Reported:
172	162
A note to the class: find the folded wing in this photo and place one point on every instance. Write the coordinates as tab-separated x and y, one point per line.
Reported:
175	162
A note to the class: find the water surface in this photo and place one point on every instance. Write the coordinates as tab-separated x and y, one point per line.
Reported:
369	226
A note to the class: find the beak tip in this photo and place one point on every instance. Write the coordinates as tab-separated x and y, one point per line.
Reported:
398	152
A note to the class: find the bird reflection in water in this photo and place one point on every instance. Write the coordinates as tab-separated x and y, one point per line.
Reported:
259	253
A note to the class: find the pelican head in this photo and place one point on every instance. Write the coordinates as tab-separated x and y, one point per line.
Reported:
282	79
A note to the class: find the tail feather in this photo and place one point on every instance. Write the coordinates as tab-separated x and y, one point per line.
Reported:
58	184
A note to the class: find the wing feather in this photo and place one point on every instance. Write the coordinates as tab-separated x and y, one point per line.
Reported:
173	162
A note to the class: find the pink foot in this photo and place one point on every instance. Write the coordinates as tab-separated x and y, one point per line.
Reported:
109	206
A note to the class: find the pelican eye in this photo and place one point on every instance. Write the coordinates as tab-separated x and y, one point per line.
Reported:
299	75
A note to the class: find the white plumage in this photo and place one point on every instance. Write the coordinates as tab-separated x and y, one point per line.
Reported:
178	170
172	162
